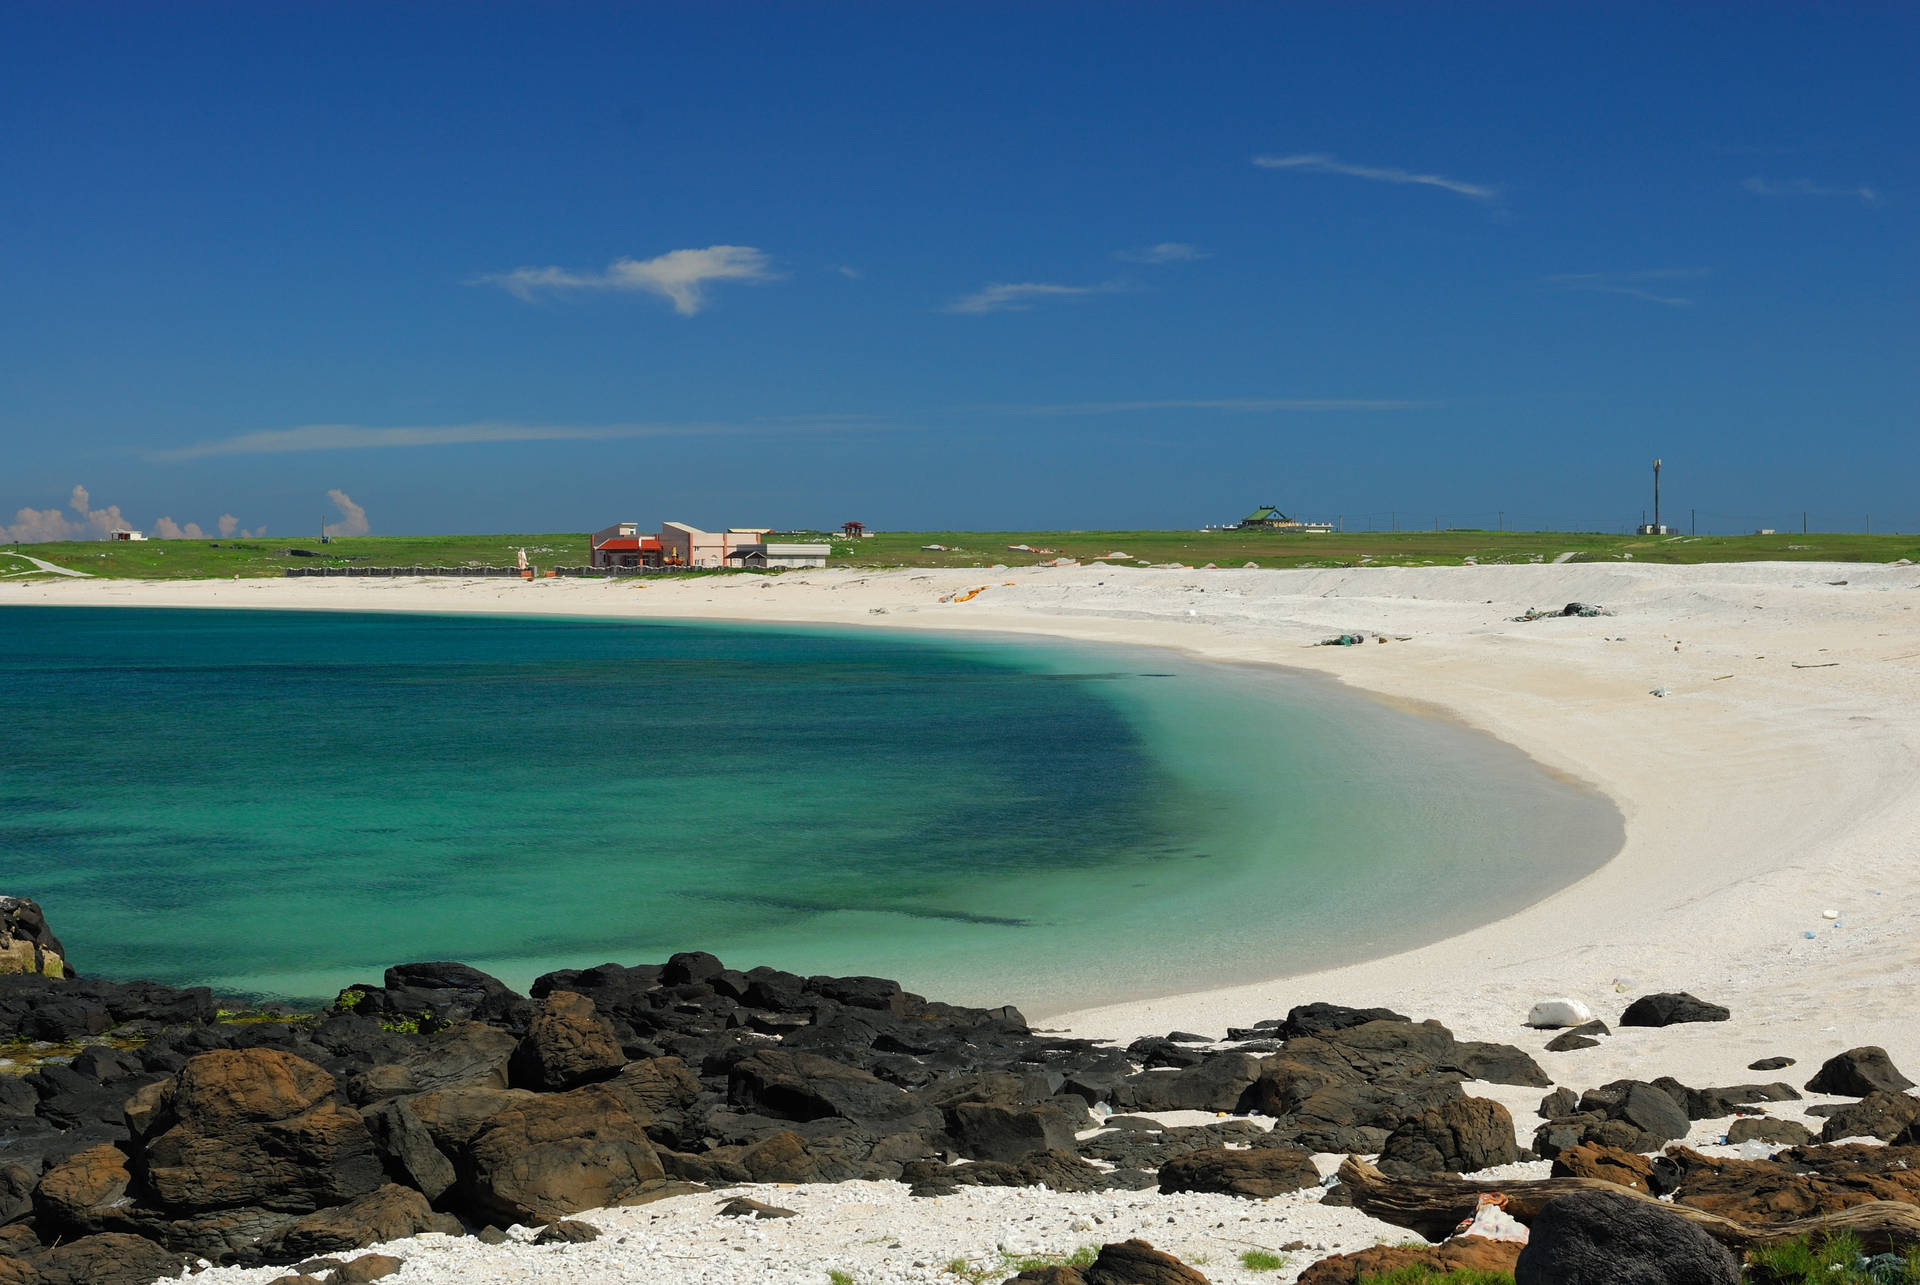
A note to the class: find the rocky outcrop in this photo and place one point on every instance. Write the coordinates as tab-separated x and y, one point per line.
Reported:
1597	1238
388	1213
1608	1164
1631	1115
1464	1254
1460	1136
27	945
1786	1133
1670	1008
250	1129
440	1094
1858	1072
556	1154
1878	1115
567	1044
1132	1262
1263	1172
1801	1182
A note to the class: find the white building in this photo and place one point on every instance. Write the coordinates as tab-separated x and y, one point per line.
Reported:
780	557
127	533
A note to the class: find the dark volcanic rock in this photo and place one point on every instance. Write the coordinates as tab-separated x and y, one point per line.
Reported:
1467	1254
741	1207
567	1231
553	1154
1498	1064
250	1129
1567	1042
1858	1072
451	992
1770	1064
1318	1019
1608	1164
1670	1008
807	1086
77	1195
1629	1114
987	1131
1220	1083
1765	1129
1597	1238
1132	1262
113	1258
1058	1170
36	1007
1878	1115
1801	1182
567	1044
407	1150
1461	1136
1262	1172
27	945
387	1213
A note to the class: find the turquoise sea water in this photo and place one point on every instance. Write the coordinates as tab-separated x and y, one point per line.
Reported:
285	802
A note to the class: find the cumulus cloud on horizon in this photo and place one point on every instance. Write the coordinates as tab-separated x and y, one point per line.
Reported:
353	518
681	276
46	526
50	526
1320	163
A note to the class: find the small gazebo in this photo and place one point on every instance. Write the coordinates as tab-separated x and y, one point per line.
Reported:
853	528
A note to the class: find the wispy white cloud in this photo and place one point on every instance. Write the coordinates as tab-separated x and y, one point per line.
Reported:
353	437
353	518
1230	404
679	275
1807	187
1319	163
1164	252
1644	284
1019	296
850	272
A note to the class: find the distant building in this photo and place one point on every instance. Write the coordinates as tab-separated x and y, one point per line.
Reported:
1268	518
777	557
622	545
682	545
688	546
126	533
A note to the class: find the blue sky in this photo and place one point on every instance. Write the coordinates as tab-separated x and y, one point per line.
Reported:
504	268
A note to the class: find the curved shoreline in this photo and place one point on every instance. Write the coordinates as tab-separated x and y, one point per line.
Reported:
1749	808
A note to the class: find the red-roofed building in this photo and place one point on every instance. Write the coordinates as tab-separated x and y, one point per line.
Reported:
622	545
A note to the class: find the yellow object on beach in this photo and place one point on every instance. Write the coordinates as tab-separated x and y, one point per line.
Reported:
969	594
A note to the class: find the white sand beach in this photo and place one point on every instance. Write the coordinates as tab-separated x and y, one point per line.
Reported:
1775	780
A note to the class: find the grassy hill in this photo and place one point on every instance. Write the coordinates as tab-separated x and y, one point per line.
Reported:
223	559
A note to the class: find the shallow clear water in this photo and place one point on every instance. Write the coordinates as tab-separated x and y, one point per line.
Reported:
285	802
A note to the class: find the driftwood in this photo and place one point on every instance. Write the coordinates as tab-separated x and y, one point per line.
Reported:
1433	1207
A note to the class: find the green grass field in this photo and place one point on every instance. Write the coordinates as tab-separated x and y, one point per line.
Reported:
223	559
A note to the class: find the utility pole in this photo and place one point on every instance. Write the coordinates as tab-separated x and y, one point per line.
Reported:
1395	519
1803	521
1503	519
1656	497
1693	522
